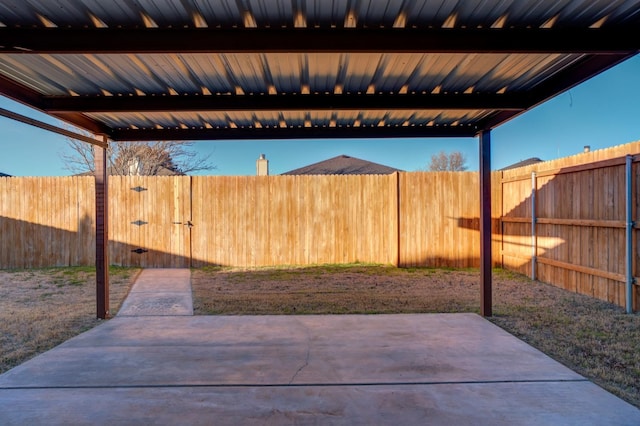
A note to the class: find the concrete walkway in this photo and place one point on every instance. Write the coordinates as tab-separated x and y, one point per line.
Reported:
450	369
159	292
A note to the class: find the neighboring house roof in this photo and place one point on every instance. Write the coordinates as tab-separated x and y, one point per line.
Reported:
344	165
527	162
4	175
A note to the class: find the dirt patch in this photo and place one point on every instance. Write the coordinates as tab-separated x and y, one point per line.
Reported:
41	308
594	338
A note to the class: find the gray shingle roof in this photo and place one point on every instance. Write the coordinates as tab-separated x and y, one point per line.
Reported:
527	162
344	165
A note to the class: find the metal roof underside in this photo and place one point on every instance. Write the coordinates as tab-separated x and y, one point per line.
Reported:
282	69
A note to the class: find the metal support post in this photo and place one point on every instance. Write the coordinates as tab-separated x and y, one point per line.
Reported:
485	224
102	237
629	233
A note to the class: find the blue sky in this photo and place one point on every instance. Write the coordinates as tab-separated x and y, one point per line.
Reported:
603	112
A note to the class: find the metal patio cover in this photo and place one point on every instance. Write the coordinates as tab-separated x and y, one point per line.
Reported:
135	70
290	69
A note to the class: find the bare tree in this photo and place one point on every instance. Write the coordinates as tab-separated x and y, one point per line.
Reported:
139	158
457	162
454	162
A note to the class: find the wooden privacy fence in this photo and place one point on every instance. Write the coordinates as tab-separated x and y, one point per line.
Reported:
406	219
297	220
565	222
46	221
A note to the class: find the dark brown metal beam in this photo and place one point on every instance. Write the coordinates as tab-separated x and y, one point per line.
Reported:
82	121
27	96
486	302
20	93
254	40
102	234
125	135
45	126
310	102
588	67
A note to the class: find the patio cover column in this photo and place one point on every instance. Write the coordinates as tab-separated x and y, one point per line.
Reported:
102	237
485	224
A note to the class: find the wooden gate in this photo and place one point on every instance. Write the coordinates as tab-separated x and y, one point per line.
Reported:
150	221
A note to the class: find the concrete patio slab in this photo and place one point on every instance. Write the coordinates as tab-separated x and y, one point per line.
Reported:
496	404
353	369
282	350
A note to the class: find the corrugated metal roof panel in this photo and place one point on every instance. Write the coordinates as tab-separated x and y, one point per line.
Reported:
279	73
295	74
23	74
310	13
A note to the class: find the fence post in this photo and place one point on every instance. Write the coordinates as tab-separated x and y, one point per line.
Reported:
501	221
534	239
398	224
629	233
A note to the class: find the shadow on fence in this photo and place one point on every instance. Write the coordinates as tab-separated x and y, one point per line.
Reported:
30	245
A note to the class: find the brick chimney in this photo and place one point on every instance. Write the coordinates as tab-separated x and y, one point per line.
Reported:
262	166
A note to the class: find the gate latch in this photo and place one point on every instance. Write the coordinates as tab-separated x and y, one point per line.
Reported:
189	224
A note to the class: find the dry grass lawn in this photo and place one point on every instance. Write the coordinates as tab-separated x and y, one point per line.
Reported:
41	308
594	338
